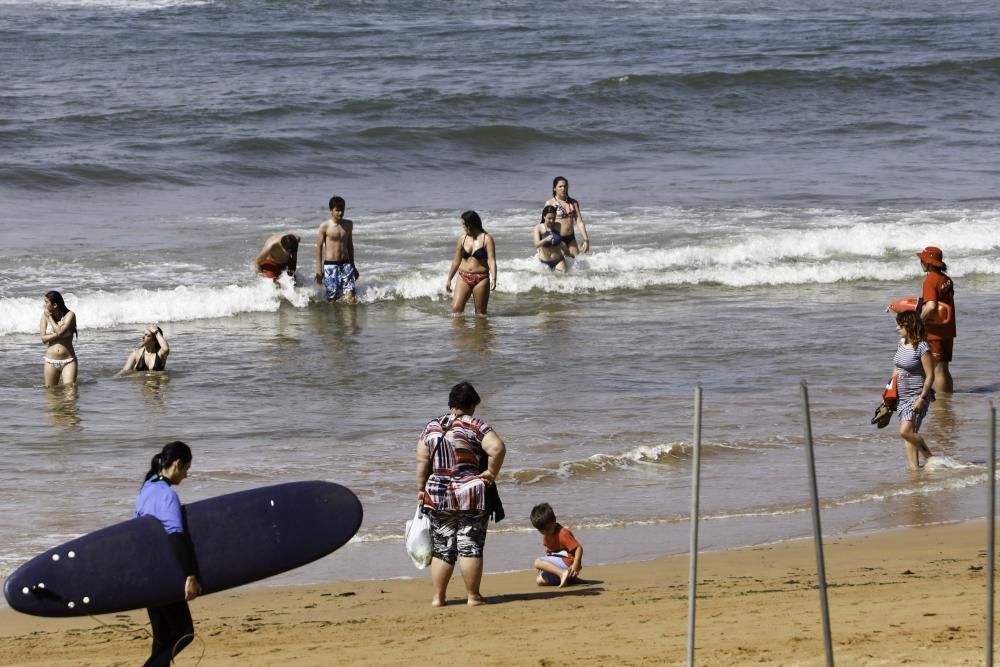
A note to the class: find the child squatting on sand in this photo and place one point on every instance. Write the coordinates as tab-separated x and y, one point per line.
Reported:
563	557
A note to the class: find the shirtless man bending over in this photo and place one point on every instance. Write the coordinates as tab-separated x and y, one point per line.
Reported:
335	268
279	254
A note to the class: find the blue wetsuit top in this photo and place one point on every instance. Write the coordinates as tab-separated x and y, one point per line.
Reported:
156	498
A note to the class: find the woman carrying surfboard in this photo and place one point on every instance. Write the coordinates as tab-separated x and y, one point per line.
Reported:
172	626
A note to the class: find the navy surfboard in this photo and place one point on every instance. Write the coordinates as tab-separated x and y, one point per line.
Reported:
237	538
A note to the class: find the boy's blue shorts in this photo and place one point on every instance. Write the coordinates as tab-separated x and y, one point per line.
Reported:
548	576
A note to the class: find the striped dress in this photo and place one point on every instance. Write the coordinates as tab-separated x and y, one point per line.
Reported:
455	448
910	381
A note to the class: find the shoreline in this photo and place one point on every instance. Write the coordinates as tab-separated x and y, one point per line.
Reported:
913	595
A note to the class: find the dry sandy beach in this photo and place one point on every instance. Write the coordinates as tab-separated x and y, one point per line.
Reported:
914	596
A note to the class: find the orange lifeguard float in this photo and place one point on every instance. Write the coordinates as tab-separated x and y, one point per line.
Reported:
942	316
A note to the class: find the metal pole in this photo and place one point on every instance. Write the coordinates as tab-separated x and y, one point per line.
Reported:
991	512
695	484
817	530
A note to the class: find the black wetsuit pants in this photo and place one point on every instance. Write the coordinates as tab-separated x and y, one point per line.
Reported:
172	631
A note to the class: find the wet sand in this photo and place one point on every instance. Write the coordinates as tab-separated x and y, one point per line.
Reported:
913	596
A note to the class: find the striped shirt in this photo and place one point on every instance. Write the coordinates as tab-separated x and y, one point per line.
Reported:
910	381
455	446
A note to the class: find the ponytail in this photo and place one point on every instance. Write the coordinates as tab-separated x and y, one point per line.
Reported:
172	451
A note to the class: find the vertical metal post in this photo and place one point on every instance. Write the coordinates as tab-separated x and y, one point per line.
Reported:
817	530
991	512
695	484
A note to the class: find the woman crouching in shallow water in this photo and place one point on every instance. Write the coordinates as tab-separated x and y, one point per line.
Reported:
475	262
151	355
171	623
914	379
57	328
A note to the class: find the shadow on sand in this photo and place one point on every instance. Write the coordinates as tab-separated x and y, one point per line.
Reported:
583	588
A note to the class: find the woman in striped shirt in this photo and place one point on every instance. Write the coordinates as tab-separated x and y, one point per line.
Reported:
914	378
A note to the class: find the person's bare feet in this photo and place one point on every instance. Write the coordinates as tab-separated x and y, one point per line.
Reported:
437	602
564	578
476	600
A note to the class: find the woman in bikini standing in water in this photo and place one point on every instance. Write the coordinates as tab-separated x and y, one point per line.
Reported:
476	264
568	215
57	328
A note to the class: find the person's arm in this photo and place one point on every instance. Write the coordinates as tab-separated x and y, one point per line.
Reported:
577	565
455	262
293	262
491	261
927	361
928	292
423	469
320	240
495	451
180	543
58	330
164	350
350	250
537	234
130	362
585	245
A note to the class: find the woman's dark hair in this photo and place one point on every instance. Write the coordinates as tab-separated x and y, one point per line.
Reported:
547	210
463	396
542	516
172	451
56	298
473	223
555	182
913	327
290	242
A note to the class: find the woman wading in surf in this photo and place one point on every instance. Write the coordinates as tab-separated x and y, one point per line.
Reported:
57	328
476	264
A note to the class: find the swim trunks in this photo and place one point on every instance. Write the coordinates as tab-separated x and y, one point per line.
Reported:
338	279
941	348
550	578
472	279
271	269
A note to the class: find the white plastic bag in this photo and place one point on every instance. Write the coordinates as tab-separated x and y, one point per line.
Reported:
418	539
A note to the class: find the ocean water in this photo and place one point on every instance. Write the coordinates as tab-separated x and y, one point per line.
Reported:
755	176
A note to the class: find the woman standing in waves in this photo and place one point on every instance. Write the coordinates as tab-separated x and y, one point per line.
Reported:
151	355
568	216
458	457
548	242
172	626
476	264
57	328
914	378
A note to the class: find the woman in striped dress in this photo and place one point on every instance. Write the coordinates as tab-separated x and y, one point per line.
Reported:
914	378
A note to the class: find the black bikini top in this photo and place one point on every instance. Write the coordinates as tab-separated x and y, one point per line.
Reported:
141	364
478	254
